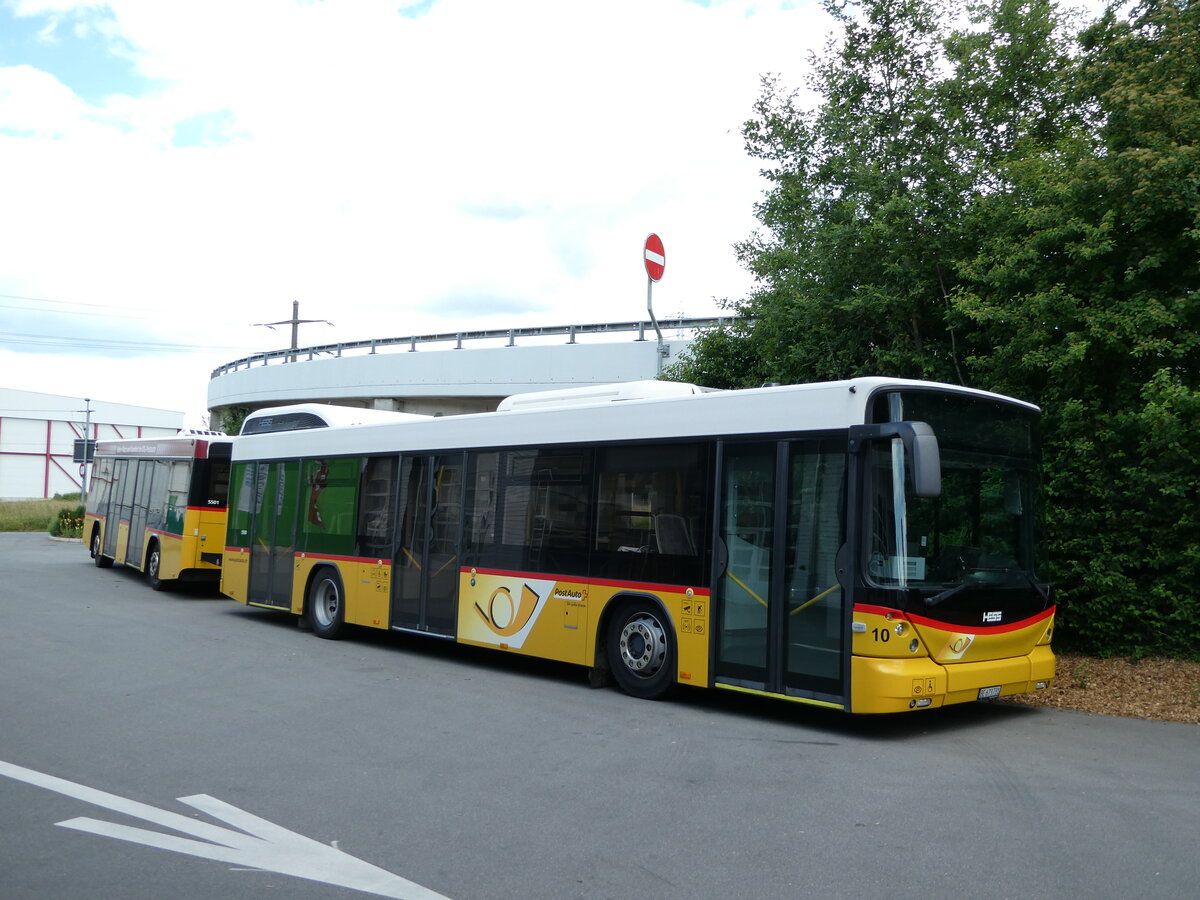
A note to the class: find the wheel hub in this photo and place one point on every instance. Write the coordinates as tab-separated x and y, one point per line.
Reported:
643	645
327	603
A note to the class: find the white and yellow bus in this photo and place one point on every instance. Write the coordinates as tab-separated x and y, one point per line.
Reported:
866	545
159	505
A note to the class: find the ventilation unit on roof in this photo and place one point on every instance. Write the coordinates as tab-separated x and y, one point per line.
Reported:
599	393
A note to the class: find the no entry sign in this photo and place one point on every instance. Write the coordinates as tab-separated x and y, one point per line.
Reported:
656	257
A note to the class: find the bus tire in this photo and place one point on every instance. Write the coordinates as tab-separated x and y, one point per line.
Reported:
326	606
154	567
98	558
641	650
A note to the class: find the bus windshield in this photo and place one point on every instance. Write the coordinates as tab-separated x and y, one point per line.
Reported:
980	531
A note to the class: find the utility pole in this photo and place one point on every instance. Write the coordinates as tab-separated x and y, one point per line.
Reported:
295	321
85	467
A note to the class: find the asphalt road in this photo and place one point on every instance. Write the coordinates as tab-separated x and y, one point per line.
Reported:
473	774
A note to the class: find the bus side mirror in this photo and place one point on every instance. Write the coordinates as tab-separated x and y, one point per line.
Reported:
921	444
926	460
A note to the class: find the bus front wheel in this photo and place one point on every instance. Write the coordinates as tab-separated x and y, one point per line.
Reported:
98	558
326	604
641	650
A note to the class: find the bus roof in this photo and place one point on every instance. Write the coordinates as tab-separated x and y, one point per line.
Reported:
588	418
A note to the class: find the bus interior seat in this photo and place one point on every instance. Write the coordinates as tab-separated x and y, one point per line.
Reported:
671	532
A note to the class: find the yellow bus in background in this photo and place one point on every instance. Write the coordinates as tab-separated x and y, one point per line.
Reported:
866	545
159	505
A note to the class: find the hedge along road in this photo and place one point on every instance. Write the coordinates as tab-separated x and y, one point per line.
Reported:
470	774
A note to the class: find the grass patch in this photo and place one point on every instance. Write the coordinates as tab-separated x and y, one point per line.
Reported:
33	515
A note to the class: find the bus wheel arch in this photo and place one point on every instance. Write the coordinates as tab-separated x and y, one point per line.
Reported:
325	602
96	546
640	649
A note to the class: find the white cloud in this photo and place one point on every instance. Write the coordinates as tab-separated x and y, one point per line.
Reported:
33	102
395	174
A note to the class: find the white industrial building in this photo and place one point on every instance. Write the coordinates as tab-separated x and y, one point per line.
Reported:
38	433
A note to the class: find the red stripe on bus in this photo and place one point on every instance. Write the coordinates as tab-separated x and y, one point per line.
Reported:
949	626
321	557
325	557
580	579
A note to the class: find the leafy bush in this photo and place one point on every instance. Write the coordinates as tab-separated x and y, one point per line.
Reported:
67	523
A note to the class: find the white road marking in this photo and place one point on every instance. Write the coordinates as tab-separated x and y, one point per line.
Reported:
266	846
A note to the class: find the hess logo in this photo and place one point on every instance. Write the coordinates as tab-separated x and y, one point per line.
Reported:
993	618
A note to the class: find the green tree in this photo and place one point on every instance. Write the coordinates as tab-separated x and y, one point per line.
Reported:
853	258
1084	288
865	218
230	419
724	357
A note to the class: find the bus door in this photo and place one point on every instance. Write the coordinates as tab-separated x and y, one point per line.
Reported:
113	508
273	537
779	605
137	512
425	579
122	541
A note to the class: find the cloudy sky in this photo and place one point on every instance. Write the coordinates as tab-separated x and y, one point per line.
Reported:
172	173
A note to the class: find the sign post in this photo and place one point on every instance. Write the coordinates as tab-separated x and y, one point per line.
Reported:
655	259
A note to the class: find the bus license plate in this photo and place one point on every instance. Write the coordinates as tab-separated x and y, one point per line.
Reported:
989	693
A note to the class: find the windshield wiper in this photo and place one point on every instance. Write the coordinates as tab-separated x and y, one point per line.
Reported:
962	586
947	594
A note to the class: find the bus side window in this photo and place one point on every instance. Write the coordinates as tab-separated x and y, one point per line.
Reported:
218	483
483	470
102	474
176	494
376	502
650	512
156	515
529	510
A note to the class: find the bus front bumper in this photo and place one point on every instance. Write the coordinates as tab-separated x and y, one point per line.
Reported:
898	685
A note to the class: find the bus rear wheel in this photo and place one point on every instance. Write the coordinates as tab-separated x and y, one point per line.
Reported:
641	650
326	604
98	558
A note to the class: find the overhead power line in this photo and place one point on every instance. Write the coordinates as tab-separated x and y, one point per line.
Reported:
143	313
51	340
79	312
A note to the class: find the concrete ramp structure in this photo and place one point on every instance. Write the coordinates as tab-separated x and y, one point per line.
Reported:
452	374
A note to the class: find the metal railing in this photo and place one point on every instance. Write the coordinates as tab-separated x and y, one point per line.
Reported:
457	338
